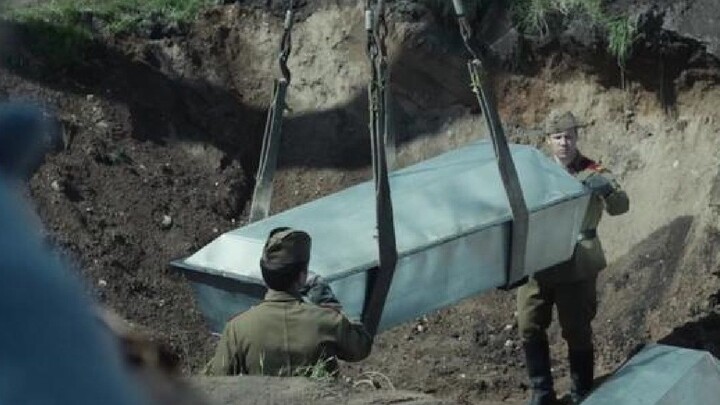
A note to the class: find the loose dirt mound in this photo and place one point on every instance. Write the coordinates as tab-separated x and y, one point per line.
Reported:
269	390
161	141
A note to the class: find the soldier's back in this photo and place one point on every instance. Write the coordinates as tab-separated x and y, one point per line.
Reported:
287	337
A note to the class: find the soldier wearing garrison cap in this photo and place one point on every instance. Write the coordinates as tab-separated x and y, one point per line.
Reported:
571	286
285	334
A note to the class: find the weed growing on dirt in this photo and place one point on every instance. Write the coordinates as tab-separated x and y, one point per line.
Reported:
320	371
115	15
537	16
60	32
533	16
621	35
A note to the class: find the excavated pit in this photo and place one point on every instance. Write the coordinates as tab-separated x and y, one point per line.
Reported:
170	126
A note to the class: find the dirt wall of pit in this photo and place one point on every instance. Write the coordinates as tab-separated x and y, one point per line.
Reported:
171	127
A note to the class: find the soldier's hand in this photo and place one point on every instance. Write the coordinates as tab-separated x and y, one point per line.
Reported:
599	185
318	291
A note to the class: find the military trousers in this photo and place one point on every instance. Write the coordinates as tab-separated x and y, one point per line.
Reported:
576	306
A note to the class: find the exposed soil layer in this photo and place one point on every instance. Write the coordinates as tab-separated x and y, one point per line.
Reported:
161	140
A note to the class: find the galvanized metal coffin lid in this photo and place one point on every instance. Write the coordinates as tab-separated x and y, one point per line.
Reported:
452	222
663	375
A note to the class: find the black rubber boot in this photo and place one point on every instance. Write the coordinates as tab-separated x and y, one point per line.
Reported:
537	360
582	364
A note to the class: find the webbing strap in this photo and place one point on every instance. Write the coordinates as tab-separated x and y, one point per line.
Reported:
506	166
262	195
379	284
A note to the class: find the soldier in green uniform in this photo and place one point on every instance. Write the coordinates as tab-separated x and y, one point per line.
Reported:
571	285
285	335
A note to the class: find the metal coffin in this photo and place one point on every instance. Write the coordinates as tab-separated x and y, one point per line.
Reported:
662	375
452	221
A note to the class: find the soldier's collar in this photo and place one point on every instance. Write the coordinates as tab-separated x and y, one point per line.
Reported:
282	296
579	163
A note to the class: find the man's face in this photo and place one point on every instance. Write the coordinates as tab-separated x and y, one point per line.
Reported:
563	145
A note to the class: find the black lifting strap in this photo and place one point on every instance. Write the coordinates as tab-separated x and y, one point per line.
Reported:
380	281
260	206
519	229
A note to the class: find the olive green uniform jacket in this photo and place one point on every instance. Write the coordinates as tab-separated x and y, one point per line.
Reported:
572	285
588	258
284	336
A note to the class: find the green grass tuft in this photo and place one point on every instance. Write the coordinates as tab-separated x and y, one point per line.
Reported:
621	35
117	15
320	371
532	16
60	32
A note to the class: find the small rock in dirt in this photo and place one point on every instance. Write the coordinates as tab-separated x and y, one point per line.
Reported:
102	283
102	125
166	222
215	230
90	97
55	185
509	327
509	343
676	164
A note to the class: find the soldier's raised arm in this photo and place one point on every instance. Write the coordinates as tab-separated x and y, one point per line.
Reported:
354	343
617	202
604	183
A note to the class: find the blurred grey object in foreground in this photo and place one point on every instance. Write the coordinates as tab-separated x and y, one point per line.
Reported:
26	133
53	349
